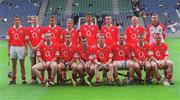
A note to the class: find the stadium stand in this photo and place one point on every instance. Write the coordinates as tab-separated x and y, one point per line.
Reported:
22	8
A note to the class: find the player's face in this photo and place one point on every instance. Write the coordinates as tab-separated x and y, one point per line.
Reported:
134	21
108	21
68	39
69	24
34	21
89	18
158	39
17	21
52	21
84	42
154	20
141	39
121	39
101	41
48	36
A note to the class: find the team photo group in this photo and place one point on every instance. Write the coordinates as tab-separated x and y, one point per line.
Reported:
90	55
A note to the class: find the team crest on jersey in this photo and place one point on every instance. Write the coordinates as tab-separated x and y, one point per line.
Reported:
112	30
85	29
38	30
20	32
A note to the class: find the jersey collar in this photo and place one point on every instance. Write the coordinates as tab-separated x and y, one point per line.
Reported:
17	28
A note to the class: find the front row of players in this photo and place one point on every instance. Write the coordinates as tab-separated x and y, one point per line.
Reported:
90	60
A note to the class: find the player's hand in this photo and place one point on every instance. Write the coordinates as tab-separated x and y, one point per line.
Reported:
44	64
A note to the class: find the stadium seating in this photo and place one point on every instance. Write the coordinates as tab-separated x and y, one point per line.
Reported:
22	8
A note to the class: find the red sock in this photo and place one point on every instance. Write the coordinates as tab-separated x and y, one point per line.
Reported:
169	76
13	78
33	77
74	76
165	73
23	78
97	79
42	79
139	74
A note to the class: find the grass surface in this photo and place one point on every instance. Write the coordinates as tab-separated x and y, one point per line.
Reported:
135	92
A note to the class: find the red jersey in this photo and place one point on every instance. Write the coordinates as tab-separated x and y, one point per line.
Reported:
74	36
57	35
132	34
47	53
103	54
90	32
67	53
121	52
85	54
110	33
141	53
151	31
35	35
17	37
159	52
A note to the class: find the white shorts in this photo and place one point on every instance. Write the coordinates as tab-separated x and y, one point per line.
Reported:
123	64
32	53
17	52
161	62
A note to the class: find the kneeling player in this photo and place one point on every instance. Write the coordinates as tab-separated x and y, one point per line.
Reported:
140	54
159	55
47	53
86	61
103	59
68	57
121	59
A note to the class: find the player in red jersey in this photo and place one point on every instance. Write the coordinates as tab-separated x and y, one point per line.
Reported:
140	54
159	55
47	54
89	30
103	59
122	59
133	30
155	27
68	56
74	33
109	31
17	48
35	34
86	58
56	31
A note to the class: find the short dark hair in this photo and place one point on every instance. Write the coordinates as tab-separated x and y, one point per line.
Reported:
17	17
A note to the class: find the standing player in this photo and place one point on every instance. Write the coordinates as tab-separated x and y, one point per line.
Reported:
86	58
68	56
47	54
140	54
73	32
35	33
155	27
159	55
57	36
133	31
89	30
17	48
122	59
109	31
103	59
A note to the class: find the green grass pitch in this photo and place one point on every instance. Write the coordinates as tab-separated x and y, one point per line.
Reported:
135	92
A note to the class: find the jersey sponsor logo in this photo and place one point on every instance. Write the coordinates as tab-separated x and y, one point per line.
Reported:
47	53
108	35
65	53
158	53
121	53
101	55
141	54
16	36
34	35
133	36
88	33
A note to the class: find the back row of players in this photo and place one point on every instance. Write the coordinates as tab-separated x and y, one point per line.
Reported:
89	51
